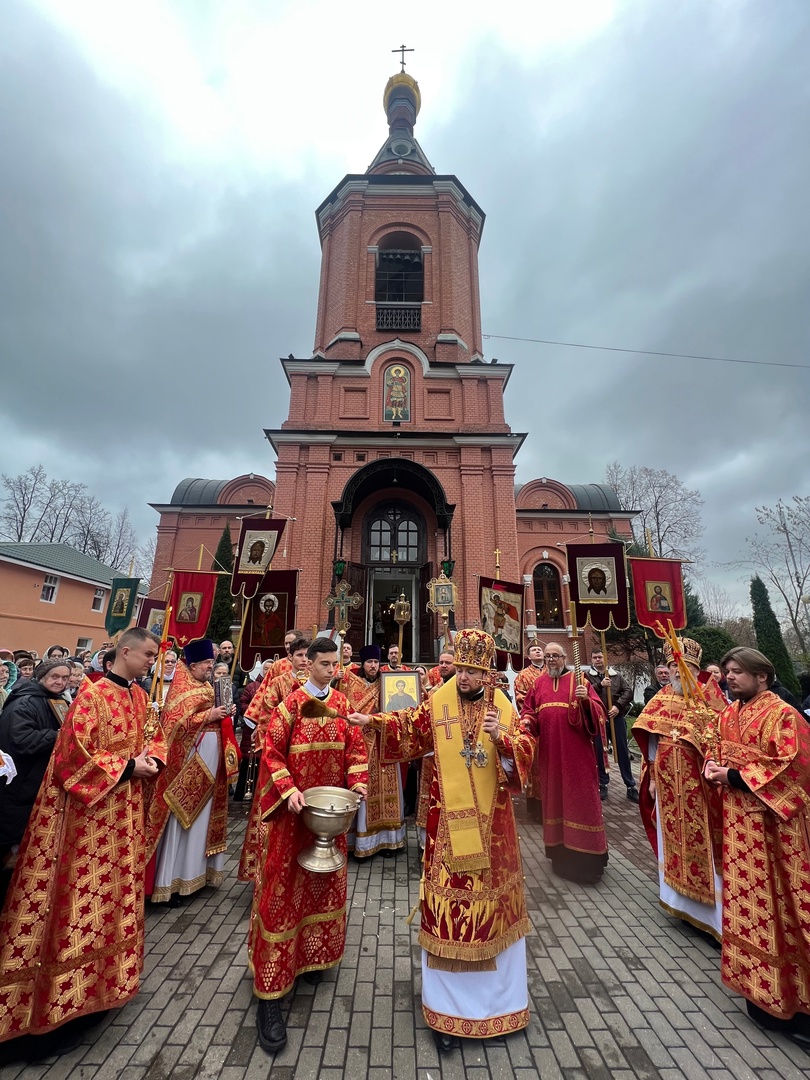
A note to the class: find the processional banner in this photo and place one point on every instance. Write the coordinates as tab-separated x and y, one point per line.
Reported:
191	602
271	615
658	592
258	539
597	582
123	593
501	611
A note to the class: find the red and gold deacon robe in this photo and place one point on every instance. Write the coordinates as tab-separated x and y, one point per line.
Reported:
265	701
473	905
689	809
435	676
565	773
280	667
298	920
766	856
185	719
71	933
382	811
524	681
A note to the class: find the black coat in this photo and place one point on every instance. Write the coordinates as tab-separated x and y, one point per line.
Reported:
28	729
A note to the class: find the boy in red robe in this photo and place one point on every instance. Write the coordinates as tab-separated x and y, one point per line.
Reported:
298	921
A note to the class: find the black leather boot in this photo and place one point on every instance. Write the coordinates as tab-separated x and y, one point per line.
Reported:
271	1026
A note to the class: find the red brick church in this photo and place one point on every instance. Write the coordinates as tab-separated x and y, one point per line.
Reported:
396	453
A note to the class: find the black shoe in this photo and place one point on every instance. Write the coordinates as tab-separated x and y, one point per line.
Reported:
446	1043
271	1027
632	794
175	900
314	978
603	792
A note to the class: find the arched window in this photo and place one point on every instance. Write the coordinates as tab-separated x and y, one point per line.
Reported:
547	595
395	534
399	283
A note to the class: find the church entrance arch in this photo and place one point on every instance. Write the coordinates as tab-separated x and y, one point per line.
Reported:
394	551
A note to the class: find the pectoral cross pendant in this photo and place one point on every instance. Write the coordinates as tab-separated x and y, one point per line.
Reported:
467	753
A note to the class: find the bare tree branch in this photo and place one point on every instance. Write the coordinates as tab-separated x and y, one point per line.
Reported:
670	511
781	554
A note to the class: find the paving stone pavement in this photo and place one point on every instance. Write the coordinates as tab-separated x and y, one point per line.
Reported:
618	990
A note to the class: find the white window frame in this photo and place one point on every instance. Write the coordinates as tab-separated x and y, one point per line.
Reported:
51	582
84	643
99	596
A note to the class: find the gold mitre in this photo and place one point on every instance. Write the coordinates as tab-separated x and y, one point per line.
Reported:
690	650
474	648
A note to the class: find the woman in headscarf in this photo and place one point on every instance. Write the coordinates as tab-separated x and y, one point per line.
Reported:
8	676
29	724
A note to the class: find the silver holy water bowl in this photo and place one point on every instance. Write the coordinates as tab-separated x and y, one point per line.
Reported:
328	813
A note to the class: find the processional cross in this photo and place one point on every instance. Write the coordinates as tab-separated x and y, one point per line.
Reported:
341	602
402	49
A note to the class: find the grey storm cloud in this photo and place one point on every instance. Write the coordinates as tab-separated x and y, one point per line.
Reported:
644	189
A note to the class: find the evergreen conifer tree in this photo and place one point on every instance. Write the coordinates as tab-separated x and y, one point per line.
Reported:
769	635
222	612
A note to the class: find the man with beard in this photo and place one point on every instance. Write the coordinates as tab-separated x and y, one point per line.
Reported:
439	674
473	907
604	680
186	820
660	680
680	810
226	652
393	663
764	779
526	678
380	822
564	717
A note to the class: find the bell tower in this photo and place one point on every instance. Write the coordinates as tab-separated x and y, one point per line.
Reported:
396	455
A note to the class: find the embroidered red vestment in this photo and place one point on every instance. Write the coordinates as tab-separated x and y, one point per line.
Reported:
71	933
265	701
766	856
298	920
467	916
185	719
690	809
565	765
383	810
524	681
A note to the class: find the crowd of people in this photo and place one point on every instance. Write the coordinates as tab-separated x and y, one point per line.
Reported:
116	771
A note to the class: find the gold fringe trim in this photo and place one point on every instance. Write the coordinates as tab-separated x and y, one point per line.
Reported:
692	921
466	863
438	963
471	951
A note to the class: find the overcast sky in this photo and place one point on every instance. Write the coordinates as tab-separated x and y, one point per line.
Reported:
643	167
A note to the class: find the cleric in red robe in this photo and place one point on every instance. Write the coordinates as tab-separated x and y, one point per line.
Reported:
259	712
764	776
71	933
298	921
564	718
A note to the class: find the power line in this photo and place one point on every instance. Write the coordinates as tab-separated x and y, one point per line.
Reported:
645	352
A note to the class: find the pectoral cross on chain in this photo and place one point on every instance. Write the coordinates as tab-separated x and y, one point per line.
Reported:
467	753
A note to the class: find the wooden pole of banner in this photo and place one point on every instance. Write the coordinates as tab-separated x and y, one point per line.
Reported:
497	554
650	548
199	560
238	648
158	672
603	646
